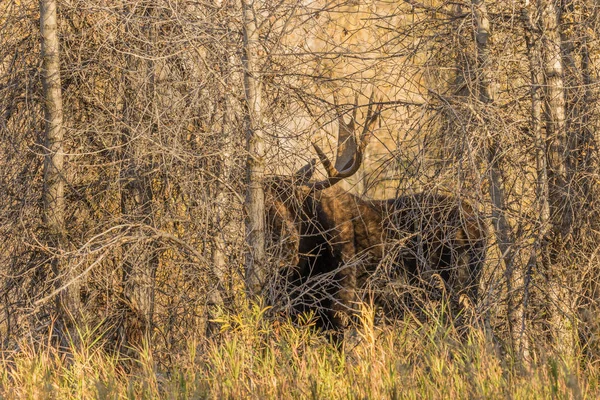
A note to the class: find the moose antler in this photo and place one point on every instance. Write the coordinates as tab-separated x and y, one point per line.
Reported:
346	147
349	154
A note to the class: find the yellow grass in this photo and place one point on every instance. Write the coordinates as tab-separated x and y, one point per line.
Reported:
257	358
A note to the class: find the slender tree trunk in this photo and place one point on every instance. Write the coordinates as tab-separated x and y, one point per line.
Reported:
222	223
554	113
219	242
582	152
532	33
501	226
255	197
559	297
486	96
140	259
54	185
222	230
482	34
588	148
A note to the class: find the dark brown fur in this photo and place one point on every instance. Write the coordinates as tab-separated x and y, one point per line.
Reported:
332	242
335	241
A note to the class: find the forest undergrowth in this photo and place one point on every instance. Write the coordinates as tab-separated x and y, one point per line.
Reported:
256	357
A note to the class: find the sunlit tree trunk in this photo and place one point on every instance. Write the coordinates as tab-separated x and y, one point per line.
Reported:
54	184
255	197
557	269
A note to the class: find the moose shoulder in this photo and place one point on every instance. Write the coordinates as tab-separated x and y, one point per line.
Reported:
332	241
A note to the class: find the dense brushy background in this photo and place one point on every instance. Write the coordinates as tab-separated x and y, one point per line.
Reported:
155	179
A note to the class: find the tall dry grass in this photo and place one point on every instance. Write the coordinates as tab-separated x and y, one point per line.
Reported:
254	357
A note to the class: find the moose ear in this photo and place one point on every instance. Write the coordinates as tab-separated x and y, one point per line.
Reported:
304	174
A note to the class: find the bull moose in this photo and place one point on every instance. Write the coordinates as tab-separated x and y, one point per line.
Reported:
333	241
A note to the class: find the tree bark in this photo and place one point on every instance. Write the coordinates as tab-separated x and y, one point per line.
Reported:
559	296
581	163
54	185
255	142
523	327
230	75
486	96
